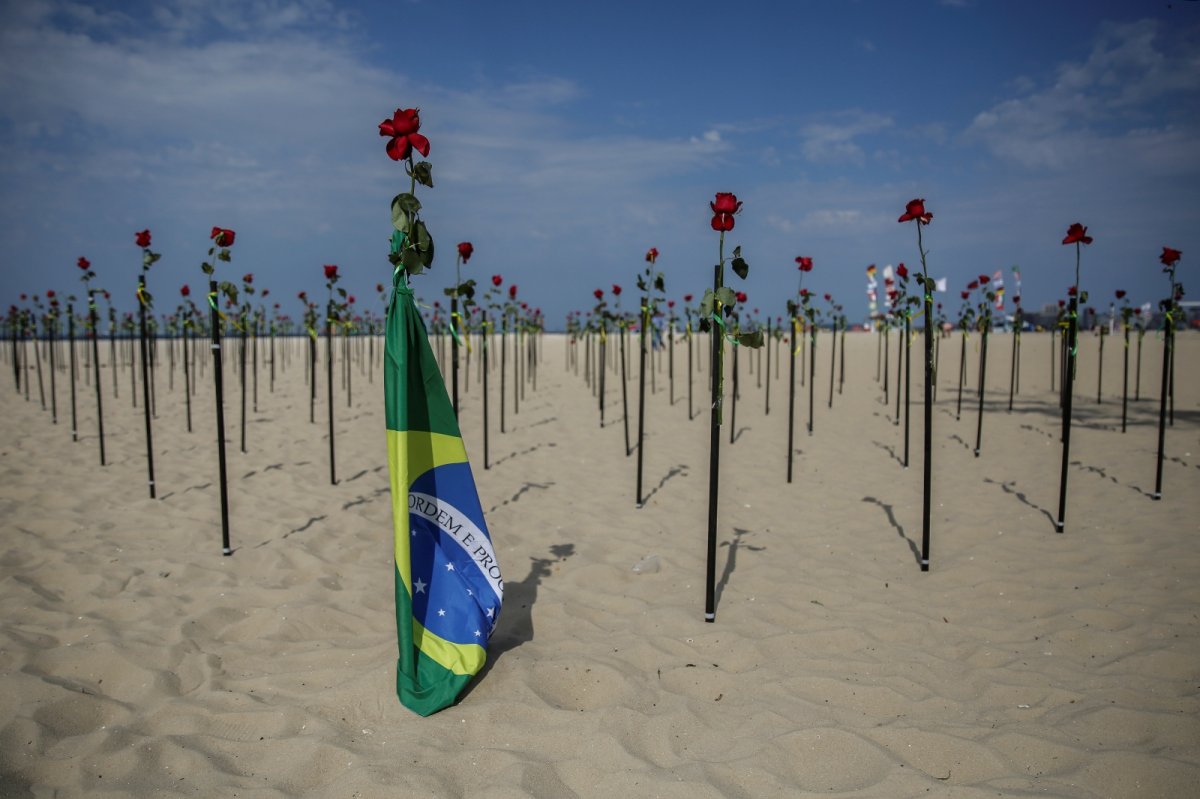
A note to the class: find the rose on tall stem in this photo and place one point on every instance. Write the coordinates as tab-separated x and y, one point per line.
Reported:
142	239
1171	314
222	240
719	304
915	211
1077	235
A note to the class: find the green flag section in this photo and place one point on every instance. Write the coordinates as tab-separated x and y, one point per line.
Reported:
448	583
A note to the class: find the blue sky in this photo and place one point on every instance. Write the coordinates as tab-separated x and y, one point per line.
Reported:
568	138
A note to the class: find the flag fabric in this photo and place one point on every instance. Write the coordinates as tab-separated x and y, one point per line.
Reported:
940	284
872	305
448	583
998	286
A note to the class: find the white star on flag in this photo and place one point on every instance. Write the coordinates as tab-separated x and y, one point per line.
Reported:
419	585
449	567
441	612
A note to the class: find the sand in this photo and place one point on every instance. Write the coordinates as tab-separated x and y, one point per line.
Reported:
135	660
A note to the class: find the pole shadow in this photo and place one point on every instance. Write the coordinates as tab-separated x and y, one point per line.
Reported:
1008	488
731	562
676	471
890	450
891	516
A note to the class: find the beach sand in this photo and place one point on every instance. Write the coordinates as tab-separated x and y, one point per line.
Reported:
136	660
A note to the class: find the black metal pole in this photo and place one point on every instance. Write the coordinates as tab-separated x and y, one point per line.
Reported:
329	390
71	344
767	412
690	348
242	379
907	383
1137	383
146	382
624	390
504	367
1052	370
1168	341
671	362
1125	383
454	350
791	398
642	394
886	354
603	360
53	383
982	381
1012	375
1100	367
96	367
187	375
900	352
484	345
930	381
218	375
962	375
312	373
832	360
1068	383
812	374
714	451
842	358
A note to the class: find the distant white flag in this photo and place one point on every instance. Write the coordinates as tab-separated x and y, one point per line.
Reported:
940	284
887	272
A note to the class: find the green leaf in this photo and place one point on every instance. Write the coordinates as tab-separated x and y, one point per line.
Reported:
424	244
752	340
641	284
740	267
423	172
706	304
407	202
207	268
725	296
792	308
341	293
224	255
659	283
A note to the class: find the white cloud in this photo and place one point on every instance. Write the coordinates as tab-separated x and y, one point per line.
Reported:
833	140
1103	109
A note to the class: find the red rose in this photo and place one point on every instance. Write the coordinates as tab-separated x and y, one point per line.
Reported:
983	279
902	271
1169	256
974	284
805	293
1061	303
966	294
599	294
805	263
184	290
828	297
1077	233
350	299
724	207
741	296
49	294
1120	294
84	264
1017	300
616	290
303	296
524	305
379	287
402	129
652	254
1071	291
512	292
222	237
331	271
670	303
248	278
465	250
497	280
915	209
142	239
687	297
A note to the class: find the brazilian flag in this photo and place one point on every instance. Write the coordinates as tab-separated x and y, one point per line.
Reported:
448	583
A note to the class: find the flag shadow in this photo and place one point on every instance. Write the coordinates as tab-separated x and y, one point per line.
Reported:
891	515
516	617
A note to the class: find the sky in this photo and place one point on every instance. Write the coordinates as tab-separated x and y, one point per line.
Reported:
568	138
